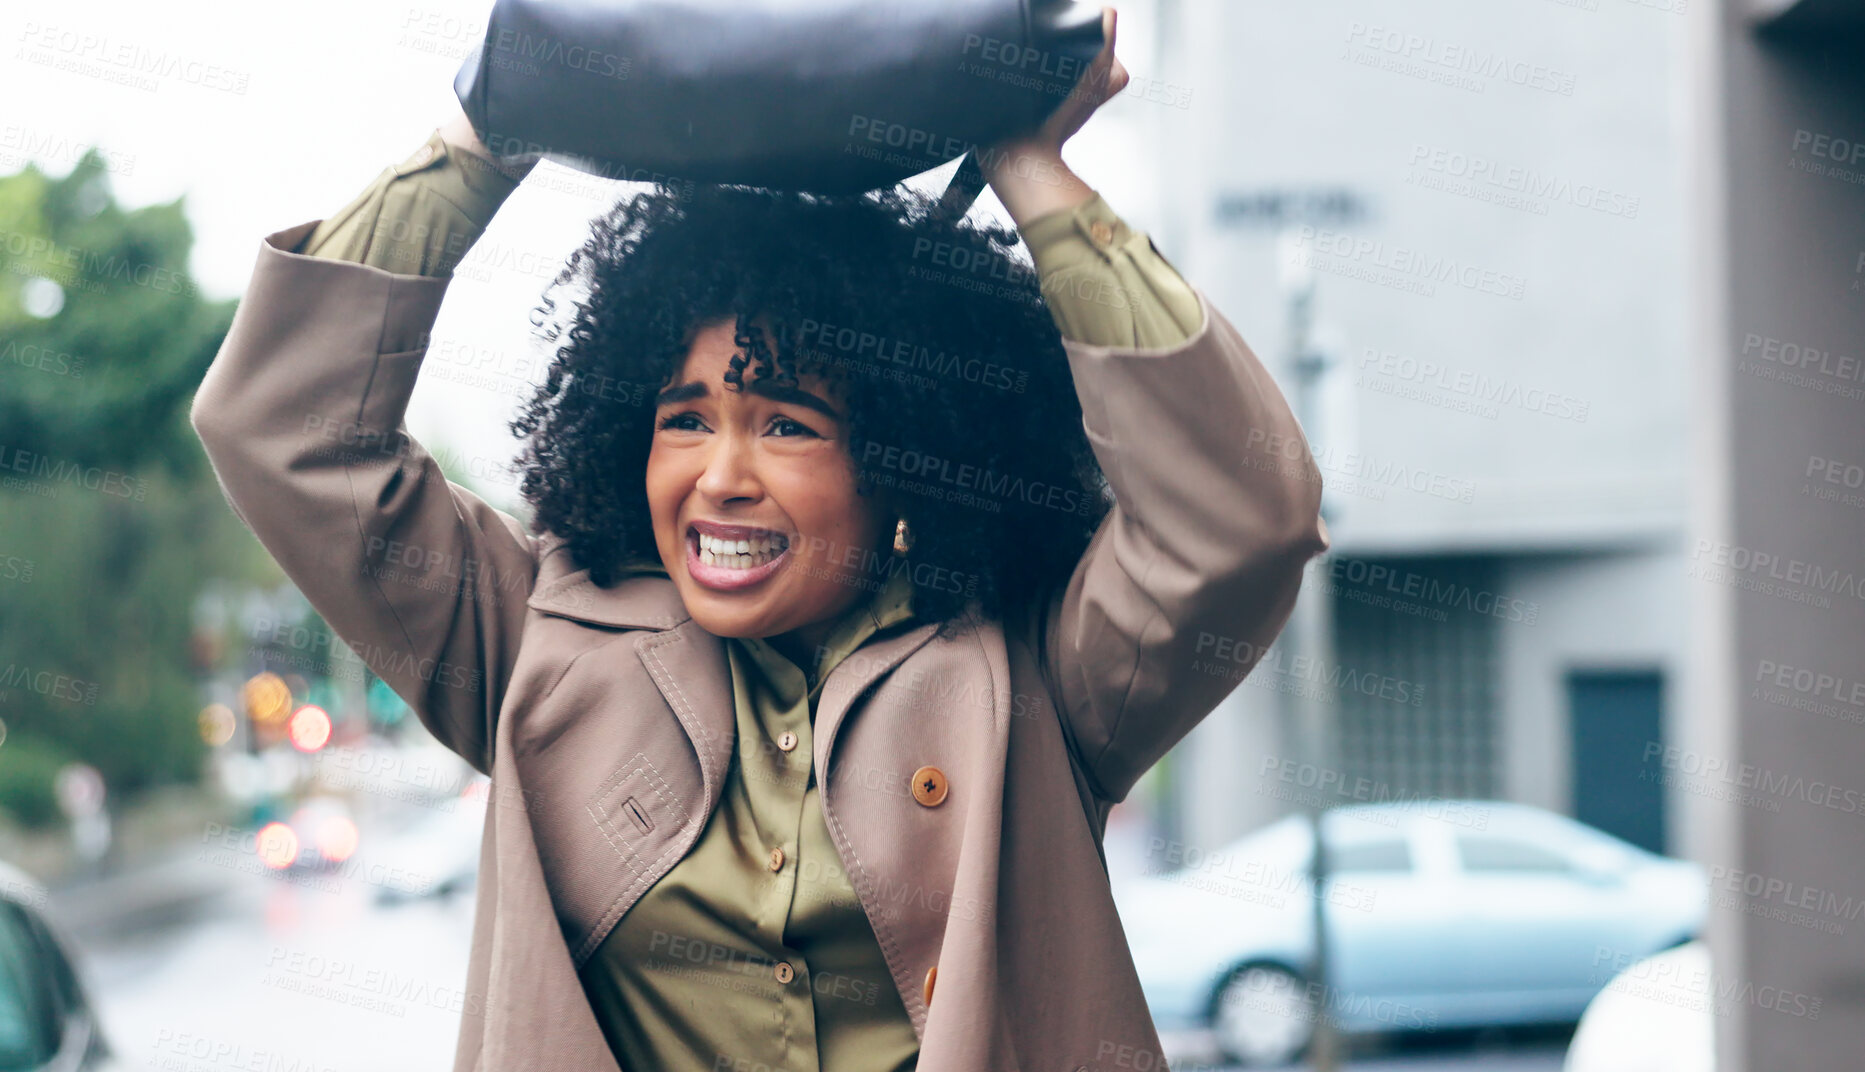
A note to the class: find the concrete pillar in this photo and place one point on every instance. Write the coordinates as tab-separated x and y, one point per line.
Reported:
1777	676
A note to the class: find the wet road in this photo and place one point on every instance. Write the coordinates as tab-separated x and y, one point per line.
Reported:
306	974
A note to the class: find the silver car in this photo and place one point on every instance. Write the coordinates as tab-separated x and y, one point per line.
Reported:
1438	913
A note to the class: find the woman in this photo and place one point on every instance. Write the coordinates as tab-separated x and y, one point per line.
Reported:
857	598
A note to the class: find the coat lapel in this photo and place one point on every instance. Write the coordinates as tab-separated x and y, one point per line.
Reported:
689	666
851	677
643	598
686	663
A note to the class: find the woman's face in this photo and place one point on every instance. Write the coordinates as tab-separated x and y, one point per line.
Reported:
768	465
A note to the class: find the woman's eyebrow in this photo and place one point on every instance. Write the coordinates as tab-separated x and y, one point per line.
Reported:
685	392
776	392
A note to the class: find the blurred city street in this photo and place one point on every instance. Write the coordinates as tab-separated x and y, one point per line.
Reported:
232	965
205	967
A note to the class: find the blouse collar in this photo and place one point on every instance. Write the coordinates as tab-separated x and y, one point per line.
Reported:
890	604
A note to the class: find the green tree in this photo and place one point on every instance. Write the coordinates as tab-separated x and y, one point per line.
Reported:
110	518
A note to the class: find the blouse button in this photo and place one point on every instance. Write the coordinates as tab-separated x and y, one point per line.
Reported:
929	786
777	859
932	973
786	740
785	972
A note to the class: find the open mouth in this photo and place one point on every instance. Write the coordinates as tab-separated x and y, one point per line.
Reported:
738	554
724	562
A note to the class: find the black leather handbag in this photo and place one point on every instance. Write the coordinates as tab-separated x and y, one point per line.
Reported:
829	96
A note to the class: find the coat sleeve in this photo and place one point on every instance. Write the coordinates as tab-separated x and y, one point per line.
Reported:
1195	569
301	414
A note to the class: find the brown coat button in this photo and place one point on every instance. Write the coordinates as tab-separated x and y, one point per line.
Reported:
931	974
1101	231
929	786
786	740
777	859
785	972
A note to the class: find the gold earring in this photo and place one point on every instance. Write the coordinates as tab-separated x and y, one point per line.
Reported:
903	539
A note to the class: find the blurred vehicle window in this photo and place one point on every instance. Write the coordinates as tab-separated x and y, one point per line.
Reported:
1387	855
27	1035
1507	854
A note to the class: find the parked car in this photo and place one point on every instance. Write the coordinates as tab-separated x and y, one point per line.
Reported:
1442	913
1652	1017
47	1022
438	855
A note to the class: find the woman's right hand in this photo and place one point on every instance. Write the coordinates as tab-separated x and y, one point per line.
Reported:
458	132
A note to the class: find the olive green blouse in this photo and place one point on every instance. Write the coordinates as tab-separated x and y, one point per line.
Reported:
754	951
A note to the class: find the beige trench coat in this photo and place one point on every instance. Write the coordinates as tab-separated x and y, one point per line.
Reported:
604	715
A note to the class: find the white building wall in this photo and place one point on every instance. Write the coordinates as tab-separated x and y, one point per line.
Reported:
1568	316
1532	405
1597	612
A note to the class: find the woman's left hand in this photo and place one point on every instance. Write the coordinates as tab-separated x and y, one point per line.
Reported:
1105	76
1027	172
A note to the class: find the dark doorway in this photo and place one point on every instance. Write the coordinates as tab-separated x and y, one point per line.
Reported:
1617	736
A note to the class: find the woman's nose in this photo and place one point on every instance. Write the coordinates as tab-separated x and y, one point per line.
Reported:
731	470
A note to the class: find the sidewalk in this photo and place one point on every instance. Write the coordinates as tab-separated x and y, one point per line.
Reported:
153	874
158	892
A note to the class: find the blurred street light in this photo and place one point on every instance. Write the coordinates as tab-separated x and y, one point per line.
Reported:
1308	633
310	728
217	724
267	698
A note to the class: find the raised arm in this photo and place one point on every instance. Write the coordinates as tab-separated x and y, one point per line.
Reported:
301	415
1217	501
1198	563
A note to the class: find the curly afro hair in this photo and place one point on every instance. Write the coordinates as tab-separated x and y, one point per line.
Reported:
962	408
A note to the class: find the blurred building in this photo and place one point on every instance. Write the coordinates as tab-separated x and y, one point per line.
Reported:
1487	210
1588	279
1777	679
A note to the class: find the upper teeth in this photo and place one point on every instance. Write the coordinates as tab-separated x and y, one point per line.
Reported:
761	545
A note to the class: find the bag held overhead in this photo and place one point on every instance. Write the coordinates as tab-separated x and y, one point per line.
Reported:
829	96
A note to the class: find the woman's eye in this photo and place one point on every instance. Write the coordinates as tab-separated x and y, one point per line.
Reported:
686	421
786	427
